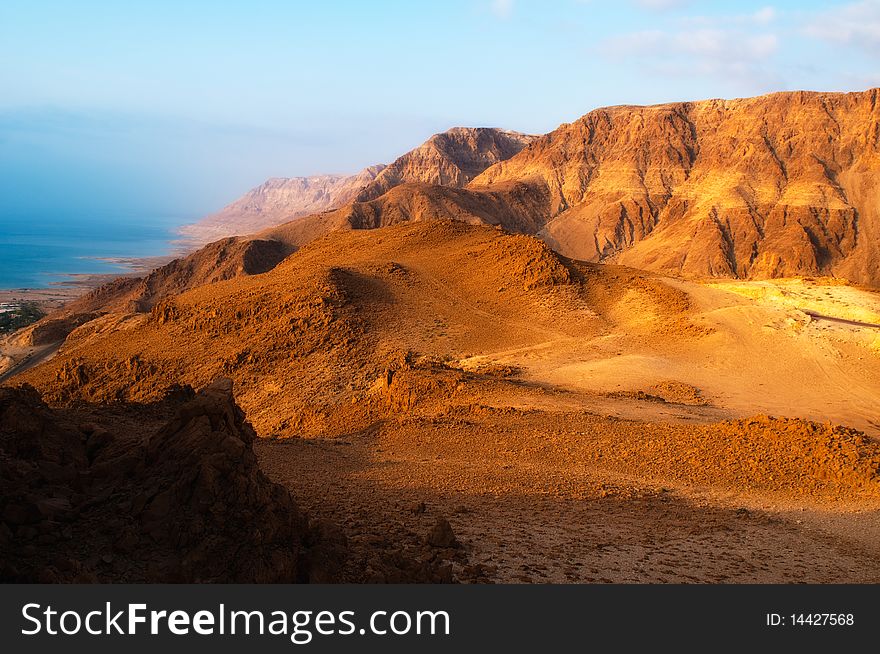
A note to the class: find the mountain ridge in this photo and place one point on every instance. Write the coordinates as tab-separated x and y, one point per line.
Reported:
771	186
450	158
783	185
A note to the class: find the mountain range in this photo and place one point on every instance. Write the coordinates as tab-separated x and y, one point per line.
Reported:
774	186
452	158
585	356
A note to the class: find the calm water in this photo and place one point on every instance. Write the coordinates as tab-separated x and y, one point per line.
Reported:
36	251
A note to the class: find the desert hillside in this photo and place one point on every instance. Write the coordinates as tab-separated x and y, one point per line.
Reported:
441	373
322	327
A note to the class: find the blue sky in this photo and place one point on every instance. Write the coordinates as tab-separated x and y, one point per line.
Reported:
175	108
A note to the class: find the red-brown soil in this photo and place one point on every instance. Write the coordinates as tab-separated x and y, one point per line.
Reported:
571	421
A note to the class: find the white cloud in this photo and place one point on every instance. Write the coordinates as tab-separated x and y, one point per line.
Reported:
662	4
502	8
764	16
857	23
759	18
706	43
737	55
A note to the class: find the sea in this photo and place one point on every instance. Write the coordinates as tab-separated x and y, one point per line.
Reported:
42	251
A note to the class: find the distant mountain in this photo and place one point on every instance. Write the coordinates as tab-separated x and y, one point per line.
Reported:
278	200
452	158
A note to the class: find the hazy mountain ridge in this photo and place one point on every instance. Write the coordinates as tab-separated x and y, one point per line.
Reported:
278	200
451	158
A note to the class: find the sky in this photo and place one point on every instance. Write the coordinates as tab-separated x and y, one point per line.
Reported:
175	108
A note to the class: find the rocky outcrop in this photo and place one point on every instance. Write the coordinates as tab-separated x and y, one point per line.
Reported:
188	503
53	329
779	185
452	158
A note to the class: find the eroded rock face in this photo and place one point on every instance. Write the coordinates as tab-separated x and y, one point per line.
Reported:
185	504
778	185
452	158
278	200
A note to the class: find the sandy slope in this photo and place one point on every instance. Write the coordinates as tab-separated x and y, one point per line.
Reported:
755	351
542	405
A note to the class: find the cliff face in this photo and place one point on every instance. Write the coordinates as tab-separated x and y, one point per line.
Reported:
784	184
452	158
278	200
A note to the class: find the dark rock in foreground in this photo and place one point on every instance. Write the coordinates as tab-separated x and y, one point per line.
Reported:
189	503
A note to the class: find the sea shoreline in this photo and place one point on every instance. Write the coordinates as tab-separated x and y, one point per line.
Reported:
51	280
13	353
70	286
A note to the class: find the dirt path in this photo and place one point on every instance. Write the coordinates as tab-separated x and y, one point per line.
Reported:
34	357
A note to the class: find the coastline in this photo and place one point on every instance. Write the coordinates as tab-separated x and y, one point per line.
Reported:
16	356
72	285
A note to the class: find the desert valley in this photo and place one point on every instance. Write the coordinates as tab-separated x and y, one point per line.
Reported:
644	347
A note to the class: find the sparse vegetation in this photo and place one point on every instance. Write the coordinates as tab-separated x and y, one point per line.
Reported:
15	315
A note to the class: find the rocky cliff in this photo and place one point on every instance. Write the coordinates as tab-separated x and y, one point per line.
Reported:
451	158
279	200
778	185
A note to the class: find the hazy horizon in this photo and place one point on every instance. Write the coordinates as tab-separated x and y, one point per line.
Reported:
152	109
